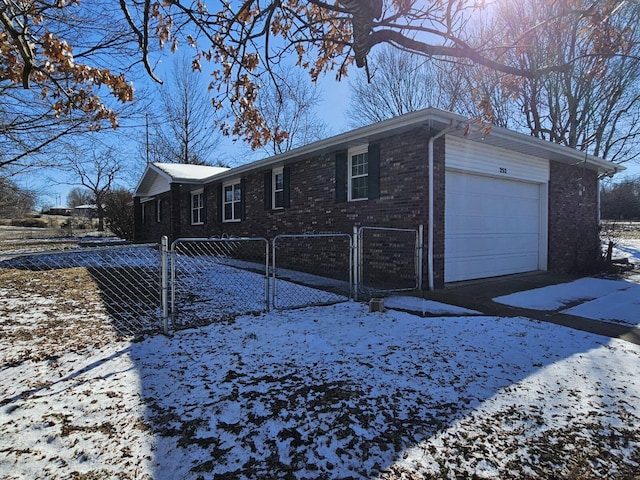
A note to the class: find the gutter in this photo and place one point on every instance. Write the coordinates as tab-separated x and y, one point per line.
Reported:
441	133
361	135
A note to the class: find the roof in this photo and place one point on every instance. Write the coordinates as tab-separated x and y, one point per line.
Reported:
438	120
181	172
158	177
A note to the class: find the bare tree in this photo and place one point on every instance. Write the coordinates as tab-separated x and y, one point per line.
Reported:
245	40
397	83
96	170
185	125
79	196
288	108
591	104
61	73
15	201
119	213
621	200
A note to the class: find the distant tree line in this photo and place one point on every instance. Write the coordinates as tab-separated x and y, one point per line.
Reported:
621	200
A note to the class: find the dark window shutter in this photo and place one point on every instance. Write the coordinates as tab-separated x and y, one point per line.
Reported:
242	199
203	219
219	202
341	177
267	189
374	171
286	179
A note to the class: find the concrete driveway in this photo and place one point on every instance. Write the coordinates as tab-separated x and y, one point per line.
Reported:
479	294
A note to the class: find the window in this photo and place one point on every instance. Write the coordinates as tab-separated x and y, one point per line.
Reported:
278	188
158	210
231	202
197	207
358	174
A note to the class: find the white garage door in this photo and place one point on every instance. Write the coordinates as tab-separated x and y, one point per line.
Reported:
492	226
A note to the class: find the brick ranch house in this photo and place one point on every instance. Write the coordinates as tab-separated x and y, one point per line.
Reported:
491	204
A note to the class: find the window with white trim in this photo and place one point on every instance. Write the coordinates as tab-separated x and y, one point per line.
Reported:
197	207
278	188
358	170
231	202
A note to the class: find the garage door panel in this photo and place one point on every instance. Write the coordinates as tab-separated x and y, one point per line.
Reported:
499	204
491	226
483	267
497	246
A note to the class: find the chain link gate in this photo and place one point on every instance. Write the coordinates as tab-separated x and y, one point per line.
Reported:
217	279
387	260
311	269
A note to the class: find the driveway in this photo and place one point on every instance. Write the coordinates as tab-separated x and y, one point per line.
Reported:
527	295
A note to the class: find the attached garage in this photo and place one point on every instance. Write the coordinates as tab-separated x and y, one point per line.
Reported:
495	211
491	203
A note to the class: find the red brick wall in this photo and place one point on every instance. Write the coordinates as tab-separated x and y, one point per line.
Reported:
574	244
150	230
573	230
402	202
313	208
438	215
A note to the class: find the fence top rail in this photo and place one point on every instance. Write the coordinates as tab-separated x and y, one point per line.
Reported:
389	229
305	235
67	251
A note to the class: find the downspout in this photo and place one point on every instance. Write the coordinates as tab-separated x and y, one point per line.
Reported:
598	200
599	186
430	224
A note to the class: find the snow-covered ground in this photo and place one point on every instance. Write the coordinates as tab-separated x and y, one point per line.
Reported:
616	301
324	392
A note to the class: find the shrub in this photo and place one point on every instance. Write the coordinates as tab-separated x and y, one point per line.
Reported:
119	213
30	222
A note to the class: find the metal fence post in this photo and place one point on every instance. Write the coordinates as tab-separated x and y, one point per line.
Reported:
266	274
356	263
164	283
274	281
419	252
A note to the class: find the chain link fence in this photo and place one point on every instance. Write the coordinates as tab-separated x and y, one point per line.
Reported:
313	269
141	288
217	279
387	260
120	282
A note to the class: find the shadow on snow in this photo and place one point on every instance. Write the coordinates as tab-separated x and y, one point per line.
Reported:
332	392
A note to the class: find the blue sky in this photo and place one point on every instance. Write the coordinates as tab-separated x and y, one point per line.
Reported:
53	186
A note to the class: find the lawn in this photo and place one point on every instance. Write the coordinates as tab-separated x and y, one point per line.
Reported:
323	392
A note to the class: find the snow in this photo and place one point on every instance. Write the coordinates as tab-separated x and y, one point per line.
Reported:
189	172
616	301
554	297
628	248
320	392
423	306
